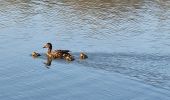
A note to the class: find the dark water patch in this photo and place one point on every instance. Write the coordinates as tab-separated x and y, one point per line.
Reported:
152	69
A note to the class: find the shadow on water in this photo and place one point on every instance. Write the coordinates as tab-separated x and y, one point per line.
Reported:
151	69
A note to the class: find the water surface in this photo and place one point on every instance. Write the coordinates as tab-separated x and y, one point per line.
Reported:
128	37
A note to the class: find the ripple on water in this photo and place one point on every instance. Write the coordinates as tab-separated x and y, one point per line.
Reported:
134	34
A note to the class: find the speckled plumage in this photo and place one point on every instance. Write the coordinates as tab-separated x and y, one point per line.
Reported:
58	54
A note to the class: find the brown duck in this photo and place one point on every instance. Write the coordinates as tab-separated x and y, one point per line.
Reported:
57	54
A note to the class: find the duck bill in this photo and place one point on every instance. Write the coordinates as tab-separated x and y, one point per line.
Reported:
45	46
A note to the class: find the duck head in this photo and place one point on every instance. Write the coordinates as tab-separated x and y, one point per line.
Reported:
49	46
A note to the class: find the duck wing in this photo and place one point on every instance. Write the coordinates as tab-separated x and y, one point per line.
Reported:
63	51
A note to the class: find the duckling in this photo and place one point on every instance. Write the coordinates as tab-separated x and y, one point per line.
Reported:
83	56
35	54
68	57
55	54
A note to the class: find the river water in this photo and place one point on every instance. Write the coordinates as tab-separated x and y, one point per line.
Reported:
128	37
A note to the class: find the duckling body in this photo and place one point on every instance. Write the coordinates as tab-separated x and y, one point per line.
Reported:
35	54
68	57
83	56
57	54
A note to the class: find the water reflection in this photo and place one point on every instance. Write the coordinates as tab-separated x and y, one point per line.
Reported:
48	62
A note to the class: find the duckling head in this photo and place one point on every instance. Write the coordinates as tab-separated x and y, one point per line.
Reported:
83	56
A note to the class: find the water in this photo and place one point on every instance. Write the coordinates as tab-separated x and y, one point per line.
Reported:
128	37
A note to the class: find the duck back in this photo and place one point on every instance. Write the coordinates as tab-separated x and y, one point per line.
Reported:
62	51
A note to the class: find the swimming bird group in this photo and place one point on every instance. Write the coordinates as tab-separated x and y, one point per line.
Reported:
59	54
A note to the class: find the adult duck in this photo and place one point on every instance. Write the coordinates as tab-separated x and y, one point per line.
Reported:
56	53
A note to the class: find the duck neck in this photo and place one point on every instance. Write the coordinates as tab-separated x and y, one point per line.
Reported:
49	50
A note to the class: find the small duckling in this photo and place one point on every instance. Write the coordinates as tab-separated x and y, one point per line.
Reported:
35	54
68	57
83	56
